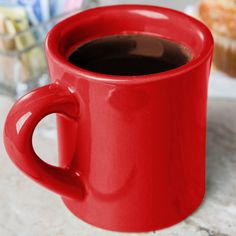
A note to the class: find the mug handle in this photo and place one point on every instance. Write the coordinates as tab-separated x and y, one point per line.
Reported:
19	127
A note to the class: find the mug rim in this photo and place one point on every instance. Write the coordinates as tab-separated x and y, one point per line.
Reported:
55	54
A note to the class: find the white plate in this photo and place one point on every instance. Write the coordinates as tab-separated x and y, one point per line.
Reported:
220	84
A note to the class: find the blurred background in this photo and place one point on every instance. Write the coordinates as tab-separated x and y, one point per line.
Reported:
23	28
28	209
25	23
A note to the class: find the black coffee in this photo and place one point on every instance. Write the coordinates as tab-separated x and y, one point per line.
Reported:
135	54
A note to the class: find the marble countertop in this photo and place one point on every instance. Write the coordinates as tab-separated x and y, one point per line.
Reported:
27	209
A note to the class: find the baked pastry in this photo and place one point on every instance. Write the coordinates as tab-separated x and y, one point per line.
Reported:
220	17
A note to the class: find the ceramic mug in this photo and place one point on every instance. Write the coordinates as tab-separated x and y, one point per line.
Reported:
131	148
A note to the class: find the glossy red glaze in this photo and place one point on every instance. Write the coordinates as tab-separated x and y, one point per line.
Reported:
132	148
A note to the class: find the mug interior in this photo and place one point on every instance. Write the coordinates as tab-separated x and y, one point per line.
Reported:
128	19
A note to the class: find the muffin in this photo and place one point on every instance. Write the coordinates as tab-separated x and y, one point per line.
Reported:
220	17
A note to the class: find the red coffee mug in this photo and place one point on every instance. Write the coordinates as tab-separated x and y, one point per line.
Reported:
131	148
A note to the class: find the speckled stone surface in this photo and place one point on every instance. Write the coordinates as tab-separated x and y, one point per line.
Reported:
27	209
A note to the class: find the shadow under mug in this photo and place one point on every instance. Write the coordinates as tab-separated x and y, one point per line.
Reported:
131	148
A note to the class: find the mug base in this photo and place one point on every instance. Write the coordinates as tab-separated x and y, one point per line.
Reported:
72	205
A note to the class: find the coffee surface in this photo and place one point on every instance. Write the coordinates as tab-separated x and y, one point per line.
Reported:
134	54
